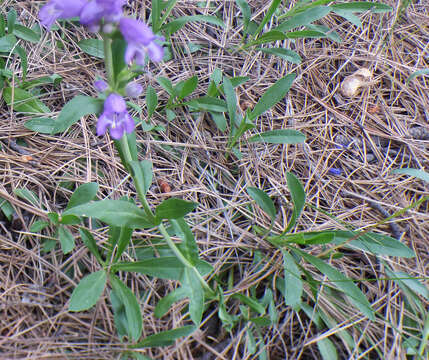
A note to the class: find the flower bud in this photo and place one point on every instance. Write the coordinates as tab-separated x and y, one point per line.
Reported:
101	85
133	90
108	28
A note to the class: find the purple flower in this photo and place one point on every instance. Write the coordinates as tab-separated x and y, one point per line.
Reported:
115	117
95	10
140	39
60	9
101	85
133	90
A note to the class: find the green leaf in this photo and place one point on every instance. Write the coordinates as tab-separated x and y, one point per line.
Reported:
274	5
304	18
132	308
251	342
319	238
54	79
143	173
118	50
293	282
263	200
188	87
177	24
421	174
66	239
174	208
275	35
93	47
7	209
54	218
90	243
285	54
18	50
27	195
151	101
88	291
272	96
2	26
26	34
24	101
246	12
69	220
269	36
11	19
404	279
165	303
119	315
250	302
188	247
305	34
76	108
298	197
342	282
245	125
7	43
228	320
83	194
166	267
349	16
164	338
374	243
362	6
215	79
41	125
231	100
281	136
236	81
122	242
191	282
38	226
219	120
207	103
327	349
166	85
330	34
417	73
156	15
113	212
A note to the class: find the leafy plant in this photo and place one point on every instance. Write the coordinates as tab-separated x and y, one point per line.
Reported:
125	46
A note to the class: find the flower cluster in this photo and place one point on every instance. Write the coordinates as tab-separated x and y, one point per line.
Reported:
105	15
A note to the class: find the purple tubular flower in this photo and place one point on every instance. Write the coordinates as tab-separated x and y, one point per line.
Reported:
95	10
101	85
60	9
140	39
133	90
115	117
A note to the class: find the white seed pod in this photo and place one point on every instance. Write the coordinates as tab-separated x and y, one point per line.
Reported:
352	84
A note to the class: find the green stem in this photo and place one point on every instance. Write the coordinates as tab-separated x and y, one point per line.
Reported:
161	227
125	147
108	60
182	259
367	230
139	187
